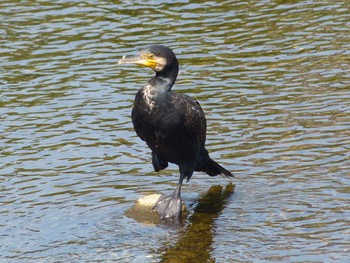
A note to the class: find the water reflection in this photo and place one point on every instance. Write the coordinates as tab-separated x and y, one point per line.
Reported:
196	240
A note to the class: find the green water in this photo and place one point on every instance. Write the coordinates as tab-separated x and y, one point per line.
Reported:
273	78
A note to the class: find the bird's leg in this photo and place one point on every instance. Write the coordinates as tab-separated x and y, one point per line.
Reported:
170	207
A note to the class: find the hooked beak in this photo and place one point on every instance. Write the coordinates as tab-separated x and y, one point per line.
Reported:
142	60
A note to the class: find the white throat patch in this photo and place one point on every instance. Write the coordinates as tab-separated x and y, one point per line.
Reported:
161	62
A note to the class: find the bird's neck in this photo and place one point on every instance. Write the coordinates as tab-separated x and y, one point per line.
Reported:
158	87
160	84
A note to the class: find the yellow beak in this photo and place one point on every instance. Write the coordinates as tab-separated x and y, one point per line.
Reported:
142	60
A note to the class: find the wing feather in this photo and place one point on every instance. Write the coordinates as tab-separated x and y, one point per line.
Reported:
193	117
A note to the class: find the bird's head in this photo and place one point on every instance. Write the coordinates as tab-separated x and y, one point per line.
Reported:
157	57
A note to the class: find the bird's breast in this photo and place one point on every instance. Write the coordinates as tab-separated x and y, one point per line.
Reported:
148	98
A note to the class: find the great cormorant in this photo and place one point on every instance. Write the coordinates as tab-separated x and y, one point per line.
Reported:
172	124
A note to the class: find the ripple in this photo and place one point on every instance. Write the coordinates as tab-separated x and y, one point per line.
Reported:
272	77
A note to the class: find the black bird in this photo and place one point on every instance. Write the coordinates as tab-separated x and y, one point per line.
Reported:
172	124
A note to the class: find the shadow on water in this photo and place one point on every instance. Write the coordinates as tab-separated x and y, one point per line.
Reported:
195	243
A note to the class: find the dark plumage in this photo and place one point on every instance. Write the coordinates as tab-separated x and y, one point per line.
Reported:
172	124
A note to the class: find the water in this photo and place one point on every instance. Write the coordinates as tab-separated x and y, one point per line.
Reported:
274	80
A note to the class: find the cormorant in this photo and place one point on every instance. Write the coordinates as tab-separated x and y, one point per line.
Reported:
172	124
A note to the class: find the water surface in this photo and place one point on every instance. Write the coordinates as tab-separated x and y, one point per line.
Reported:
273	78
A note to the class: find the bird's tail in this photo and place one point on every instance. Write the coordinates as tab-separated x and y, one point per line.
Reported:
209	166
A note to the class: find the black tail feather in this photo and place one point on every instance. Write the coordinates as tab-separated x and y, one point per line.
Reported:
212	168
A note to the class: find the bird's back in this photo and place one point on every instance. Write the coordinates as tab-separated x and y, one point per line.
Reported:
172	124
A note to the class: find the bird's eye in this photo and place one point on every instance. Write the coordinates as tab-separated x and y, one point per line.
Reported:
151	56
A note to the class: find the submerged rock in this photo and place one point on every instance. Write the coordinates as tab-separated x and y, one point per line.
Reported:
142	211
148	200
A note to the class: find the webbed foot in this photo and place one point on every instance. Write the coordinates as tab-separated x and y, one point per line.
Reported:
169	207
